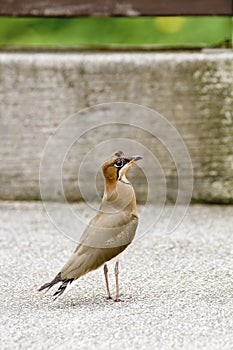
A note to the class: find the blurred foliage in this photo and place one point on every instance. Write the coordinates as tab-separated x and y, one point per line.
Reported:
98	31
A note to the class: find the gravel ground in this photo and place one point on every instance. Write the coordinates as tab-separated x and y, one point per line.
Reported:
180	286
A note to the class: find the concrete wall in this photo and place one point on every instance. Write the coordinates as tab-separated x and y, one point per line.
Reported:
194	91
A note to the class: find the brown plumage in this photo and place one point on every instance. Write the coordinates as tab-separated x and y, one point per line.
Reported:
109	232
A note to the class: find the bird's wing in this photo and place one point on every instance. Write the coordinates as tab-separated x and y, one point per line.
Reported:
108	230
103	239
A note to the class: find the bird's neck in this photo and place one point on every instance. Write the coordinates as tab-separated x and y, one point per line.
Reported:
121	196
110	192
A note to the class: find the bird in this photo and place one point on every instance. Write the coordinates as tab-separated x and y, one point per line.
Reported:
110	231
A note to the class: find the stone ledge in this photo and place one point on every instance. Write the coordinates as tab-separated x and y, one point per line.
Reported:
194	91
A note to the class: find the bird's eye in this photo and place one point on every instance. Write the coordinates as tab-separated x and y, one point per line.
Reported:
119	163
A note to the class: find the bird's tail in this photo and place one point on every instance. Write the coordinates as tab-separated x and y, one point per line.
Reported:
50	284
62	287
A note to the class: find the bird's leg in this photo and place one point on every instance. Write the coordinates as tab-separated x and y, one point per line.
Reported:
117	297
106	281
117	281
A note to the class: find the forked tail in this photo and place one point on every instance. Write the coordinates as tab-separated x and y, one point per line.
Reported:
62	287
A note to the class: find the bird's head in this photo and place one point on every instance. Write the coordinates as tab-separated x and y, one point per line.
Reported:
115	168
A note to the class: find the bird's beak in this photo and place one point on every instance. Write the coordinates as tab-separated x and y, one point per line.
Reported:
123	171
135	158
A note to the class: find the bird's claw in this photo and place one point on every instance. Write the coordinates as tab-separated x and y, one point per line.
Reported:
123	300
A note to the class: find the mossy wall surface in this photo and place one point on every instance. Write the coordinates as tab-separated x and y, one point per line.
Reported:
194	91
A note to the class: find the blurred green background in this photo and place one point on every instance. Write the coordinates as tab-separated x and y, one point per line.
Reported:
102	31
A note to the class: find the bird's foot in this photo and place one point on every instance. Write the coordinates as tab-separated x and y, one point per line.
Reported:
121	299
118	298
